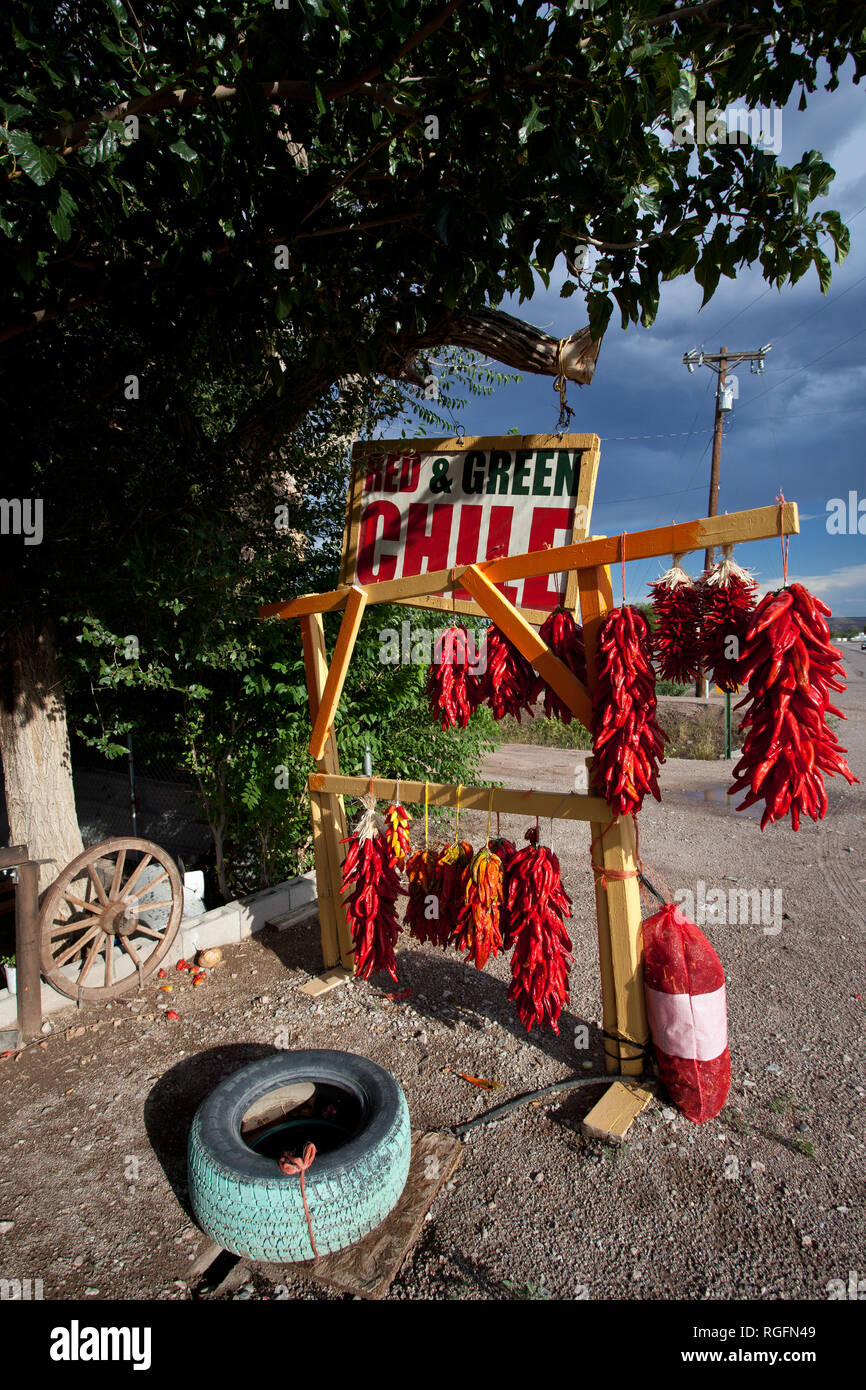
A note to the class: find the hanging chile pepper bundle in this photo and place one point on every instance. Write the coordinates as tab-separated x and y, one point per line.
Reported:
791	667
424	882
478	930
397	820
537	904
727	600
372	878
676	641
453	865
452	688
505	850
509	680
565	639
628	744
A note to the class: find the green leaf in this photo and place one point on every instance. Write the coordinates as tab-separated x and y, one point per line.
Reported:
183	151
824	269
38	161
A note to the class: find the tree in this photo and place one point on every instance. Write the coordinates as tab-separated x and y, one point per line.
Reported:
305	195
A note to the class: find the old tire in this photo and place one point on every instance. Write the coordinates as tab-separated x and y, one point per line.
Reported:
243	1201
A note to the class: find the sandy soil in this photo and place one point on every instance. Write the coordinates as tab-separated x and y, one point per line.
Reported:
765	1201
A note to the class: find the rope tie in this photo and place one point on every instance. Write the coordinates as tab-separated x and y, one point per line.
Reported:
784	540
622	551
290	1164
608	876
560	384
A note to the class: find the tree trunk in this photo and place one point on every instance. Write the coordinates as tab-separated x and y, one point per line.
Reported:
34	744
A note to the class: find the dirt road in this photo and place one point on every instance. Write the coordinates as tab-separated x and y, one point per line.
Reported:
766	1201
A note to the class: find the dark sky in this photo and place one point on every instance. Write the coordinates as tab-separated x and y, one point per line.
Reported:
800	427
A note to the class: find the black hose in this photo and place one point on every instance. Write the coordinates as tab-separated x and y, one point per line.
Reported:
571	1083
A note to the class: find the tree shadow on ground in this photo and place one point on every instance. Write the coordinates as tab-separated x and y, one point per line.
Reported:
171	1105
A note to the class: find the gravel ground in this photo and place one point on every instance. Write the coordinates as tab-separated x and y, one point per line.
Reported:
763	1202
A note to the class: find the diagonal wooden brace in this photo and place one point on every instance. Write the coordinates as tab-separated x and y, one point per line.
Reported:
355	605
528	643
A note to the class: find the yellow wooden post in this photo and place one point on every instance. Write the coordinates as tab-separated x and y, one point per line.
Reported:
327	811
617	901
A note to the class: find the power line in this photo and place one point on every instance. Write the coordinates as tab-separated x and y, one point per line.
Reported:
765	292
805	367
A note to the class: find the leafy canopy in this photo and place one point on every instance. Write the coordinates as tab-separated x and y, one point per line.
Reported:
411	164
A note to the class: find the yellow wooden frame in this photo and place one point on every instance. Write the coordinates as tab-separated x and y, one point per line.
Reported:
613	839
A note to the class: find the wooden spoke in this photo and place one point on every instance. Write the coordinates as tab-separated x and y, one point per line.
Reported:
77	946
117	875
95	880
92	953
81	918
95	908
131	951
134	876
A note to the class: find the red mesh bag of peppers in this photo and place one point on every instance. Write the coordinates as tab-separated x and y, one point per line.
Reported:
684	986
790	666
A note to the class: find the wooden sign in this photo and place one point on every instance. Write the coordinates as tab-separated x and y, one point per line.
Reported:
419	505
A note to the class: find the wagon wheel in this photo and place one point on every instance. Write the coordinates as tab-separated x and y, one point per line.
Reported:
122	893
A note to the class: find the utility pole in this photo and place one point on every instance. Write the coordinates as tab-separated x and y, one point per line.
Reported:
726	392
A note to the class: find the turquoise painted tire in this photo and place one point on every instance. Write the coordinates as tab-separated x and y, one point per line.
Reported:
242	1200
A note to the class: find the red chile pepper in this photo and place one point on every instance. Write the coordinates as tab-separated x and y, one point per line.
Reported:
374	888
790	667
728	599
565	639
452	688
537	904
677	638
423	918
509	681
628	744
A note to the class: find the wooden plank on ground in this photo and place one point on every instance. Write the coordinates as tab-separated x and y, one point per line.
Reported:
328	980
369	1268
611	1116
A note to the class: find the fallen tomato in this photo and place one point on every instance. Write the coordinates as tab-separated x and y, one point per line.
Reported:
171	1014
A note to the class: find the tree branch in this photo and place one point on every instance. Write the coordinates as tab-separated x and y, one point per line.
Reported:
498	335
177	97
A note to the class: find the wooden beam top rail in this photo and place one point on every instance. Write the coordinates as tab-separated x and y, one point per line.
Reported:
757	524
560	805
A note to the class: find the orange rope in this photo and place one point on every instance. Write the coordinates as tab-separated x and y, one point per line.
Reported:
614	875
290	1165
